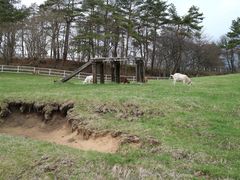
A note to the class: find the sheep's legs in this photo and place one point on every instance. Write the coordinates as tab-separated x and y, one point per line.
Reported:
174	82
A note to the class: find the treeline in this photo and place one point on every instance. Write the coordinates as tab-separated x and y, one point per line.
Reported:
230	45
83	29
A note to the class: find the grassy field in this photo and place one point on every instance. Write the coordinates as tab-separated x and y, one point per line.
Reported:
198	128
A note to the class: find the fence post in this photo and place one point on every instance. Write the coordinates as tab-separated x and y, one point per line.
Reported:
64	73
17	68
34	70
78	75
49	72
2	68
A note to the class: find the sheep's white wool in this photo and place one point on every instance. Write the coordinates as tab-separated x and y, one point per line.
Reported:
88	80
178	77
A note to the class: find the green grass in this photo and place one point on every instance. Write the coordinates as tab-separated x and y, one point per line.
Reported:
198	128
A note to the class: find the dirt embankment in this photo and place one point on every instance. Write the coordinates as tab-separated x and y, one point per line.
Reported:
56	123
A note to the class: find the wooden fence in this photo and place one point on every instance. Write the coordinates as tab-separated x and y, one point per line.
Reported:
58	72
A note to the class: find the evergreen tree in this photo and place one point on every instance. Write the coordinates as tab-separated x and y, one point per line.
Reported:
184	27
234	34
69	10
9	13
129	10
9	18
153	15
90	27
233	42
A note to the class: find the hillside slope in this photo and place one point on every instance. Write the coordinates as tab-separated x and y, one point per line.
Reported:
182	132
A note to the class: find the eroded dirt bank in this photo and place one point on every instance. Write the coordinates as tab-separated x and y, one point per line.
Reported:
56	123
57	130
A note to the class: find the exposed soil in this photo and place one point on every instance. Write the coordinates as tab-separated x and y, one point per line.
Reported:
55	123
56	130
59	123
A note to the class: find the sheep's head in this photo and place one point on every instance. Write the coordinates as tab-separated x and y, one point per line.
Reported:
189	82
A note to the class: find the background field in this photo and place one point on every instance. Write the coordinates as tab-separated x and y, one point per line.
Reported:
198	128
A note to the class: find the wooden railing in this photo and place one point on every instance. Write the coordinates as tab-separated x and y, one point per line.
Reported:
58	72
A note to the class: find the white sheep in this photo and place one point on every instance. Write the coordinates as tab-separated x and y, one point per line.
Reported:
178	77
88	80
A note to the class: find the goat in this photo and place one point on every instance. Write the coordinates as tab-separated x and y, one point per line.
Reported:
124	80
88	80
145	79
178	77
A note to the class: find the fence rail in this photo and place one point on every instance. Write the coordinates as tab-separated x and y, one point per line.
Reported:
59	72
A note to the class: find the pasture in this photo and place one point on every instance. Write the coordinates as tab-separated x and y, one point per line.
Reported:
185	132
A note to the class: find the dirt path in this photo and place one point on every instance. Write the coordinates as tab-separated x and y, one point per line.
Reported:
55	131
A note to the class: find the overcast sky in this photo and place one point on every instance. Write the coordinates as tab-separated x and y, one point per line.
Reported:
218	13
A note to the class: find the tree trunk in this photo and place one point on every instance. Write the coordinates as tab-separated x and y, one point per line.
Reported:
154	49
12	45
54	50
127	42
106	40
8	49
232	61
65	48
228	61
58	44
179	54
122	46
22	42
140	43
1	40
116	41
146	47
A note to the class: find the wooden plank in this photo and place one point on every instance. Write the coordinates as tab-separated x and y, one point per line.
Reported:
94	72
76	72
137	71
112	72
117	71
141	71
101	68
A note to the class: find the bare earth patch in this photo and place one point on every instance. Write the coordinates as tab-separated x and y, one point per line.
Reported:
56	130
59	123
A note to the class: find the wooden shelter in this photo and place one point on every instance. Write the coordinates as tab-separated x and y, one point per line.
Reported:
98	68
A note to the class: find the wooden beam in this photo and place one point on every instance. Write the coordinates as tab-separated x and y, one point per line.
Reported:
139	70
94	72
112	71
101	68
117	71
76	72
109	59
